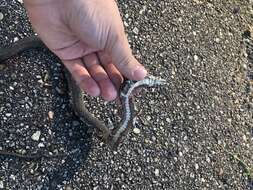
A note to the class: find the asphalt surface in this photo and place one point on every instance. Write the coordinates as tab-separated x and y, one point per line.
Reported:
196	133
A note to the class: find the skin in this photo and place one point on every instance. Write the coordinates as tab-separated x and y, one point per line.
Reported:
88	36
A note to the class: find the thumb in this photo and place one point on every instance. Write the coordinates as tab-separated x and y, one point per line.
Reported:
124	60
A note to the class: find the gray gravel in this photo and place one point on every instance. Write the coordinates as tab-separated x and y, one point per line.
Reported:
197	133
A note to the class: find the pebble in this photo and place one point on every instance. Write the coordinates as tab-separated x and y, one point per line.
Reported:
1	16
41	145
15	39
68	187
217	40
168	120
40	81
126	24
2	67
136	130
8	114
51	114
12	177
208	159
136	30
190	117
244	138
1	184
196	166
196	58
36	136
144	8
148	118
157	172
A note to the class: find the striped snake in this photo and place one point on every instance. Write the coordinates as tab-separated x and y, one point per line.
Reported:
112	137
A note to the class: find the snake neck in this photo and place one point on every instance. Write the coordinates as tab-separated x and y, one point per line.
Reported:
127	103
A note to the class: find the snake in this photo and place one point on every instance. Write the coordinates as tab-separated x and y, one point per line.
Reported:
112	137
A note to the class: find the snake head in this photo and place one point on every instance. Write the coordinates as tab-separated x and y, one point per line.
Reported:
154	81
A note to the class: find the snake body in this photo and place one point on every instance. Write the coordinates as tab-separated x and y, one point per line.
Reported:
126	100
76	95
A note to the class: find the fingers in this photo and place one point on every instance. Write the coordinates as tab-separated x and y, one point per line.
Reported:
108	91
82	77
113	73
93	78
121	52
126	63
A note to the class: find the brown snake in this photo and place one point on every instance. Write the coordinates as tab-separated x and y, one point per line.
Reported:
113	137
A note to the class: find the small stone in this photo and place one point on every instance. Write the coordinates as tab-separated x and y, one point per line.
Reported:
168	120
148	118
12	177
157	172
1	16
51	114
144	8
196	58
197	1
136	30
190	117
1	184
173	72
221	172
40	81
41	145
20	1
2	67
244	138
11	88
68	187
36	136
217	40
15	39
136	130
236	9
8	114
126	24
196	166
208	159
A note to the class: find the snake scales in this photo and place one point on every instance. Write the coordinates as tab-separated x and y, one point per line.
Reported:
113	137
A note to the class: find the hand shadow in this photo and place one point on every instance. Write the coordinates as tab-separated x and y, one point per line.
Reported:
70	130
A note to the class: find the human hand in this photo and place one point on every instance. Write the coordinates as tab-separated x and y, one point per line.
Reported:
88	36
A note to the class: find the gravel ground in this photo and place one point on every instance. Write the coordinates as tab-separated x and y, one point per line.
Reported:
196	133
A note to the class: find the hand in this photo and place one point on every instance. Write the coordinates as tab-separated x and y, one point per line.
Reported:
88	36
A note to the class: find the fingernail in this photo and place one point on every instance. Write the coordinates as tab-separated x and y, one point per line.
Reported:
139	73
